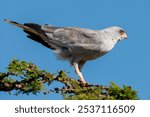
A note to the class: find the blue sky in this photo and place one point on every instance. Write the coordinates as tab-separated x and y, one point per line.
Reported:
128	63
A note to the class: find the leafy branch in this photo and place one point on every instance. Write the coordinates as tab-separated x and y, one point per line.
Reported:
26	78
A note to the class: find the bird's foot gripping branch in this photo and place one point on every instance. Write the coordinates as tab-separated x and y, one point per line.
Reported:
26	78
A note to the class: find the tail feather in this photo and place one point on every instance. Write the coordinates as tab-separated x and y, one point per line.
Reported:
34	26
35	33
24	27
38	39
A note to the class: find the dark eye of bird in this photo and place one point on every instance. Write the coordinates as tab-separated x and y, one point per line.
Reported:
121	31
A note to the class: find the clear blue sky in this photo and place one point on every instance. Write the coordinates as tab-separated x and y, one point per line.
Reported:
128	63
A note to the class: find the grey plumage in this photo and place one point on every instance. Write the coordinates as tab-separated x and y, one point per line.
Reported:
76	45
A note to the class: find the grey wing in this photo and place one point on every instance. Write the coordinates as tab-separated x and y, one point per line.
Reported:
69	37
72	42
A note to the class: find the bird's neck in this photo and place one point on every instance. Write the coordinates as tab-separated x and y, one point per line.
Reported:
108	41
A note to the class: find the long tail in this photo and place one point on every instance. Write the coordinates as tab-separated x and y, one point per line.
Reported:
34	32
28	27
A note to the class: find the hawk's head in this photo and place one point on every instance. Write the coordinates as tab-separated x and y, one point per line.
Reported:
117	33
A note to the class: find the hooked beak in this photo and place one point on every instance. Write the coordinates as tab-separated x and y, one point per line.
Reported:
124	35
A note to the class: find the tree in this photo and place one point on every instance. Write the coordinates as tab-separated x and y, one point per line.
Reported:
32	80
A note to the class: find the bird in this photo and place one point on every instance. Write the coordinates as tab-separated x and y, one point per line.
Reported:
75	44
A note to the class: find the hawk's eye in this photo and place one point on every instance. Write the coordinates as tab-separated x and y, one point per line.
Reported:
121	31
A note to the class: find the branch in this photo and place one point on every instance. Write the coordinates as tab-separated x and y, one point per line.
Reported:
26	78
